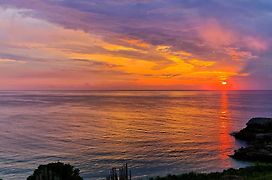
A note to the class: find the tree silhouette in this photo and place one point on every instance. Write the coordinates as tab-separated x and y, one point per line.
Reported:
55	171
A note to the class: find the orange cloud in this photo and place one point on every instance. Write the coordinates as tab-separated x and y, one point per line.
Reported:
199	63
59	56
137	42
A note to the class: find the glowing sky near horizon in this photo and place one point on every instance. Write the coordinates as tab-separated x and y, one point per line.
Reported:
135	44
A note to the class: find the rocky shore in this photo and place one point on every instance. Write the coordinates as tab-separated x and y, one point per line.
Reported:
258	135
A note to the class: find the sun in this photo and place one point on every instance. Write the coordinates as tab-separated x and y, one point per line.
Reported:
224	83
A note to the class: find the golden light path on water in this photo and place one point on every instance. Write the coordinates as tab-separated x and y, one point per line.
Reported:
225	139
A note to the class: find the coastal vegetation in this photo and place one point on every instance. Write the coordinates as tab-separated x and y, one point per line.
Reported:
122	173
258	172
56	171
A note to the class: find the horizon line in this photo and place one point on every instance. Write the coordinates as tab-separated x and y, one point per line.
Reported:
135	90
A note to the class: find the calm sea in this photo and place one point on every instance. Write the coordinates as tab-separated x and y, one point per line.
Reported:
155	132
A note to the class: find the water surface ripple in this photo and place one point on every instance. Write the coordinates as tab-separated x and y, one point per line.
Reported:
155	132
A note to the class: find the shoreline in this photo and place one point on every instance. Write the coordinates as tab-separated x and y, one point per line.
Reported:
258	171
257	134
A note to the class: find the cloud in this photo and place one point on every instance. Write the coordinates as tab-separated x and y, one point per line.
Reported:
215	34
236	54
141	40
4	60
255	44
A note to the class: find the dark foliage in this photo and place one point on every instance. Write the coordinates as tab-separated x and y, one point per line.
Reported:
57	170
255	172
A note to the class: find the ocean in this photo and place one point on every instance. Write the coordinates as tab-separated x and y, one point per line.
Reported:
155	132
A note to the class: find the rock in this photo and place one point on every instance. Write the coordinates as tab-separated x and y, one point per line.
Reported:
253	153
259	121
256	128
264	137
258	135
232	177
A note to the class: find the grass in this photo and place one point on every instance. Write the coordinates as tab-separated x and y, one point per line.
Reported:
257	172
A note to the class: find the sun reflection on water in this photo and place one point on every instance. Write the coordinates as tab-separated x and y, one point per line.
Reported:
226	143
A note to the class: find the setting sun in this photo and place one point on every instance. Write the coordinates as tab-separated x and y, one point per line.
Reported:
224	83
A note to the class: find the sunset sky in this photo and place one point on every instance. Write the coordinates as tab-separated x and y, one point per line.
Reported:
135	44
